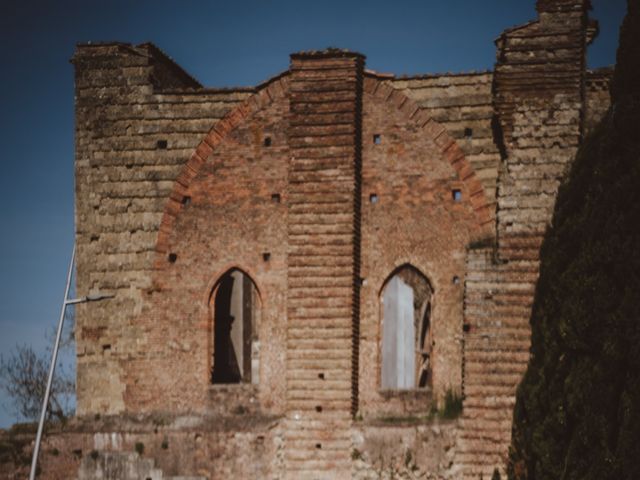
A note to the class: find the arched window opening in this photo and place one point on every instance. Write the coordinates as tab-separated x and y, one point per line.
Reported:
235	308
406	330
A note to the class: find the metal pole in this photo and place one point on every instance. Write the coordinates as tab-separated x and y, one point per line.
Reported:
52	367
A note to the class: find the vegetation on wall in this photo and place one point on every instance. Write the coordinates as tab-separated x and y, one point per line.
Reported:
577	414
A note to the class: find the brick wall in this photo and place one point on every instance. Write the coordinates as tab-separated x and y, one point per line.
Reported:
323	261
463	104
540	104
318	185
221	215
410	216
123	177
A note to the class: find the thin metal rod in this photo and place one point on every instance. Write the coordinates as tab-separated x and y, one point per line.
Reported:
52	367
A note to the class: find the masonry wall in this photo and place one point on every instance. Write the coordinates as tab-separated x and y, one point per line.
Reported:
540	106
410	217
463	104
123	178
176	185
227	218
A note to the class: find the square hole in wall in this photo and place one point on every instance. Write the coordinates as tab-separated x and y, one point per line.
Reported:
186	200
275	197
161	144
267	141
373	198
456	195
377	139
266	256
172	257
468	133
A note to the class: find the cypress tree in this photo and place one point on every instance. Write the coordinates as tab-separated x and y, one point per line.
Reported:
577	412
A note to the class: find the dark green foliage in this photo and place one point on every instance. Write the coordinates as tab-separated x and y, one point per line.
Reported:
577	414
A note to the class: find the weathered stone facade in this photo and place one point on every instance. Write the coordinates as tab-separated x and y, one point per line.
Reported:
319	186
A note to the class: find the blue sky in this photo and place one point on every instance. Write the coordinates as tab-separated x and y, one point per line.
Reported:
221	44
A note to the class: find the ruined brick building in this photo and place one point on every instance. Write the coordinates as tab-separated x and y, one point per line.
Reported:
305	270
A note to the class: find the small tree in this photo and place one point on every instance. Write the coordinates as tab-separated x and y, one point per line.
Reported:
23	376
24	373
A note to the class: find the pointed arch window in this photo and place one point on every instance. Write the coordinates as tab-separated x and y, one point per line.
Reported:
407	299
235	308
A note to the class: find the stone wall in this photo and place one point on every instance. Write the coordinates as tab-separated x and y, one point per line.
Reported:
193	447
156	446
403	450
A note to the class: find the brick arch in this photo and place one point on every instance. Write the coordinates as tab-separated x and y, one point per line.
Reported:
212	284
448	146
265	95
397	269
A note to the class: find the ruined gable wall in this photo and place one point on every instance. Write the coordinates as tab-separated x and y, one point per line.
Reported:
414	220
122	181
230	220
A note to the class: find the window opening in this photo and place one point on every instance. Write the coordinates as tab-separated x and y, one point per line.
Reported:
235	343
406	330
377	139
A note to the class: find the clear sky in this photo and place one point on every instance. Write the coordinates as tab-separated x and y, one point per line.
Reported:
229	43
